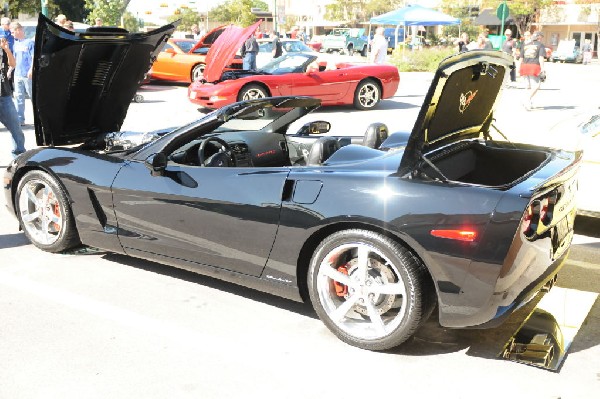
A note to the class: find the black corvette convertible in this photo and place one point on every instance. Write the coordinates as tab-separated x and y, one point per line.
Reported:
374	234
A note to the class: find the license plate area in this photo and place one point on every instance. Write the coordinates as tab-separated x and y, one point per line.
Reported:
562	234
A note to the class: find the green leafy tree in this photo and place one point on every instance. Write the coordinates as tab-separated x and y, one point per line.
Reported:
374	8
237	11
73	9
26	6
130	22
527	12
188	18
109	10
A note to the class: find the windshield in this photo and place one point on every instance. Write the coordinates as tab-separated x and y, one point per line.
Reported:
289	63
185	45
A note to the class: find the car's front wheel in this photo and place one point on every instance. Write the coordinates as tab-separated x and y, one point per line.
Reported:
252	92
367	94
369	290
44	212
197	72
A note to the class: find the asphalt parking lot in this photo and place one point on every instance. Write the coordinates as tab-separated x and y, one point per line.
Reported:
98	325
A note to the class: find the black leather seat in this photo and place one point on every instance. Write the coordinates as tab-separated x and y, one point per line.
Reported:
375	135
321	150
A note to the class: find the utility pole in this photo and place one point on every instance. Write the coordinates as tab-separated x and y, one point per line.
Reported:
275	16
44	4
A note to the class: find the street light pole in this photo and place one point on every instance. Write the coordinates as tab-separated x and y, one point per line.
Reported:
44	4
275	16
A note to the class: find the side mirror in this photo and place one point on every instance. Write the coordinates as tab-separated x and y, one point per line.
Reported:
156	163
315	127
170	51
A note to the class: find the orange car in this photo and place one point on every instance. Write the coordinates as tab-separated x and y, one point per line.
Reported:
183	60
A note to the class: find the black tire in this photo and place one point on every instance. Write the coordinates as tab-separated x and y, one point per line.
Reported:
44	212
367	95
252	91
197	72
351	50
364	51
376	312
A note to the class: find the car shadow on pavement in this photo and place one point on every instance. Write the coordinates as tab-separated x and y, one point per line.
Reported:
249	293
431	338
13	240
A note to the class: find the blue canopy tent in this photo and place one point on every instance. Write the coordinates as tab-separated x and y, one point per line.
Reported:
412	15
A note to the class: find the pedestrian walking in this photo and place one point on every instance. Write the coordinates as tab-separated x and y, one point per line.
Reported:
533	54
587	51
509	48
379	47
8	113
23	71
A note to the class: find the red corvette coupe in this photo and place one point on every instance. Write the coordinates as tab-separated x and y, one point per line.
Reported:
299	74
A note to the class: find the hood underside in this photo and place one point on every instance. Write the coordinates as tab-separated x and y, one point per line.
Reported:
83	83
459	104
224	48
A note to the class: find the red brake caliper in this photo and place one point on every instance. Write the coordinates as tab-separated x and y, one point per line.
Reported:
341	289
55	210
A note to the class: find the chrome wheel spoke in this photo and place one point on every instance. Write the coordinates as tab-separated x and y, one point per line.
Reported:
31	195
388	289
363	262
338	276
339	313
376	320
30	217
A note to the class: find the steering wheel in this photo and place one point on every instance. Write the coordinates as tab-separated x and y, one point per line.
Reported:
222	158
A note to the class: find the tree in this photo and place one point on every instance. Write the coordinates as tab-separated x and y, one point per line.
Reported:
109	10
188	18
527	12
237	11
130	22
73	9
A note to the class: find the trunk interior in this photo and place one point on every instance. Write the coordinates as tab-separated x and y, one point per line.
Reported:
481	163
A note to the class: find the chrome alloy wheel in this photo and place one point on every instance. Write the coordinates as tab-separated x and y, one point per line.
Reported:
368	95
40	212
253	93
365	297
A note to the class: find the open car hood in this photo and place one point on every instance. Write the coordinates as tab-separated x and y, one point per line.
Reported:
84	82
459	104
224	48
209	39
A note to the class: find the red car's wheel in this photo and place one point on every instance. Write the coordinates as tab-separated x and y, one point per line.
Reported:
367	94
252	92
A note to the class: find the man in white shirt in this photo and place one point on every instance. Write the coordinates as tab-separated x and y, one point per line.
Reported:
379	47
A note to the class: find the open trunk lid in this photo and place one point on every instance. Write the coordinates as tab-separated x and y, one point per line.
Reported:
459	104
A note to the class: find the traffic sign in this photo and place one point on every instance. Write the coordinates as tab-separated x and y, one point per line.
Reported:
502	12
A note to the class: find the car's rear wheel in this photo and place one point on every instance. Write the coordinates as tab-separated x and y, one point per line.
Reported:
197	72
367	94
364	51
44	212
252	92
350	50
369	290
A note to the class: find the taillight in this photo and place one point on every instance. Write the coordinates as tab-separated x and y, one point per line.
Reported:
539	211
526	223
544	210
